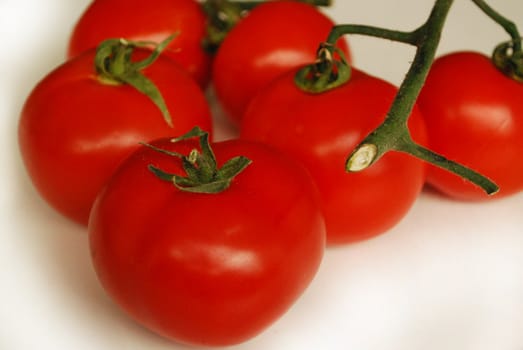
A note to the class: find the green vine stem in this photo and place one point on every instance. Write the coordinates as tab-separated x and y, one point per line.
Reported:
393	133
508	56
114	66
384	33
509	26
249	5
223	15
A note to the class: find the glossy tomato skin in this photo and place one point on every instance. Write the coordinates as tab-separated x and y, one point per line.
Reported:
321	130
207	269
273	38
75	129
474	115
152	20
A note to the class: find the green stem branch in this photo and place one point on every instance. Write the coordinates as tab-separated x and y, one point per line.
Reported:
393	133
427	41
249	5
467	173
509	26
342	29
508	56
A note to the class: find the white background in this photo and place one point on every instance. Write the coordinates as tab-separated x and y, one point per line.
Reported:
449	276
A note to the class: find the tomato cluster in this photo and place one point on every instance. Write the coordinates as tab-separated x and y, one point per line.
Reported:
209	242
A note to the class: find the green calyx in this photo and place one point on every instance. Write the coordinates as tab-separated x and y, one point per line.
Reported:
508	58
114	65
223	15
202	172
329	71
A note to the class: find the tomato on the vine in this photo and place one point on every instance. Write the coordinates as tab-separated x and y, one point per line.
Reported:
273	38
76	126
207	268
321	130
474	115
152	20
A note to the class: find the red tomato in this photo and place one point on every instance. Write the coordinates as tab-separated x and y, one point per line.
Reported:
207	269
152	20
321	130
474	115
75	129
273	38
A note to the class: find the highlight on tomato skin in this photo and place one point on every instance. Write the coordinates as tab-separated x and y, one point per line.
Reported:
320	130
272	39
152	20
207	269
476	120
74	128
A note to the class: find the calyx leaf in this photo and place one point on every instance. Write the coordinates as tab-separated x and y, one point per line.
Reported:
202	172
114	66
329	71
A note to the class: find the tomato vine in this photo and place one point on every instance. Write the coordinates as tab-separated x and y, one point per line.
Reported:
392	134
